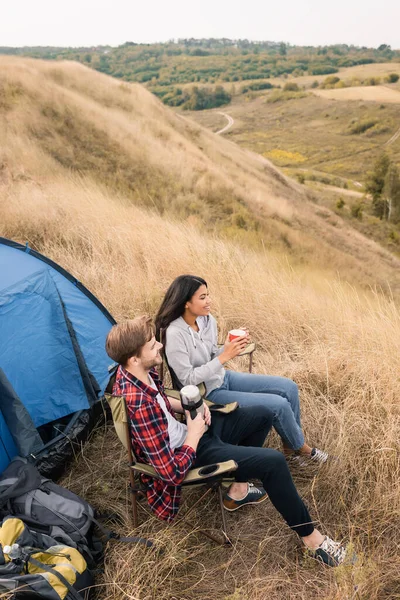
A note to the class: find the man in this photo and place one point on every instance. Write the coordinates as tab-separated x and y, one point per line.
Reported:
173	448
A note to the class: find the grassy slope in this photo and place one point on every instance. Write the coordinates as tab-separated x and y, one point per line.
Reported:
340	346
66	119
311	136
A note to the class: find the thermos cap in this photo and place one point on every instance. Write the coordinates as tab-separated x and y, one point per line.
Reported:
191	392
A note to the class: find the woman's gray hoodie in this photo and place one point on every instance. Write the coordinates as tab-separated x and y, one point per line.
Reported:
194	356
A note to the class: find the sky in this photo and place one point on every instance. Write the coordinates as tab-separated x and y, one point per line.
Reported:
113	22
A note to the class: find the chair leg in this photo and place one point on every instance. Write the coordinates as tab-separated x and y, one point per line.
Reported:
227	539
134	508
250	362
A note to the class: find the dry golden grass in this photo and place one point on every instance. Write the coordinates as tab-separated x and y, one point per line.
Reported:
375	93
339	344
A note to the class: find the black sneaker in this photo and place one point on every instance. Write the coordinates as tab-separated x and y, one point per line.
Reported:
332	553
254	495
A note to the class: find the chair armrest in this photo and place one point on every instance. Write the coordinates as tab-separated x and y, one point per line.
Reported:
200	474
197	475
144	469
250	348
225	409
173	393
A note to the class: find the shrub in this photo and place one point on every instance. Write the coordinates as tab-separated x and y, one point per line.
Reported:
256	86
361	126
322	70
277	96
340	203
392	78
356	211
300	177
372	81
315	84
291	86
330	82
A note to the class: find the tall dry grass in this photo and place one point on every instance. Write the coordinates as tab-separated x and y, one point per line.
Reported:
340	345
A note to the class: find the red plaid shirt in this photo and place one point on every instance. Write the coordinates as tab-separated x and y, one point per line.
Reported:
150	442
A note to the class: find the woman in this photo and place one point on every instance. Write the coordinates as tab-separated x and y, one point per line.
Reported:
194	357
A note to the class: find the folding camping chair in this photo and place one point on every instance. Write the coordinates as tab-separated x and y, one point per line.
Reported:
211	475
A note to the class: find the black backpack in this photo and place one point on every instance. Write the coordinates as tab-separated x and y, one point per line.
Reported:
55	511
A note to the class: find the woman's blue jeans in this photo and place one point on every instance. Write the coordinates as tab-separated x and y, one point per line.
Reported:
279	394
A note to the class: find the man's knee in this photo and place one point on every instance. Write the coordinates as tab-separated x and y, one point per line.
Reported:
262	413
275	461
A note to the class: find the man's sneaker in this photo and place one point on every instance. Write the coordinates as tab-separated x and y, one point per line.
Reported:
254	495
331	553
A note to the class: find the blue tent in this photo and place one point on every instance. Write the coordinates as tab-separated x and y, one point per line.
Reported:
53	365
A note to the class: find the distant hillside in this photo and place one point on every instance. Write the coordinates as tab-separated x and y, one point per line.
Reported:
164	68
64	120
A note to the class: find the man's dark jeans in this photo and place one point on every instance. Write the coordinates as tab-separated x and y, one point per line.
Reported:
239	436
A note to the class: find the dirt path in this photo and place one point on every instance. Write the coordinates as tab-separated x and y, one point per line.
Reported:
228	125
392	139
356	183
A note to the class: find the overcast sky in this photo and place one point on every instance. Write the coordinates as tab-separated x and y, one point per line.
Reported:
113	22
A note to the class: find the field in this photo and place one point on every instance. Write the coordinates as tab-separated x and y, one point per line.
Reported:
358	72
317	137
339	345
312	132
378	93
295	279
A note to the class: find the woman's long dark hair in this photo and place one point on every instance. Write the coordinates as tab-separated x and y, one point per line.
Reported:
173	305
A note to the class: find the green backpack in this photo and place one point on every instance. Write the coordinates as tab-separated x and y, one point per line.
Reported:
34	566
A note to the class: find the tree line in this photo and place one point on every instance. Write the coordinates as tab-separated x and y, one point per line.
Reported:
211	61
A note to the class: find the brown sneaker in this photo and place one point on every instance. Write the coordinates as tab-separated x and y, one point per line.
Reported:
254	495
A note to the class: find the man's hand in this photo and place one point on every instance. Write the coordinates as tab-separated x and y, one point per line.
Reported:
195	426
195	429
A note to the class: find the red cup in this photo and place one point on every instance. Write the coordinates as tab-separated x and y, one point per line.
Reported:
236	333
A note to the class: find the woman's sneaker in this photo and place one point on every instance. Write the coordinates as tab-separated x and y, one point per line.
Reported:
332	553
317	456
254	495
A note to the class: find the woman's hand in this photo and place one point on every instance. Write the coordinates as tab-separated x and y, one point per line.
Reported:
233	349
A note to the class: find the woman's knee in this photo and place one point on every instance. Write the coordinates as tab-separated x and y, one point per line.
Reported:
292	390
282	408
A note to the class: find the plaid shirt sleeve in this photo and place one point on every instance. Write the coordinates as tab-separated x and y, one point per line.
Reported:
149	428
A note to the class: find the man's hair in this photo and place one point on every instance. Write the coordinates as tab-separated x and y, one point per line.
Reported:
127	339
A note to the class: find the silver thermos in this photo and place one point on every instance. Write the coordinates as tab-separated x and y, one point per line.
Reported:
192	401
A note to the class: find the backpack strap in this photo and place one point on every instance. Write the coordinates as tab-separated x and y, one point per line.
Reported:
112	535
28	503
